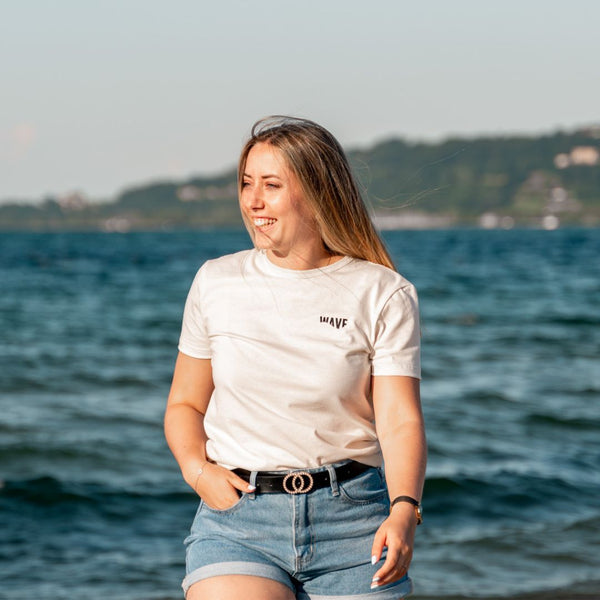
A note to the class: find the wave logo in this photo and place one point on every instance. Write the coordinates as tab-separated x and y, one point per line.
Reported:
337	322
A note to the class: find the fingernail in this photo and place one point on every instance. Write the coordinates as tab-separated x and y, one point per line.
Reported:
251	488
373	559
375	582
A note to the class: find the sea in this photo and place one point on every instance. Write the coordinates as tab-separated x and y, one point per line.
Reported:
92	504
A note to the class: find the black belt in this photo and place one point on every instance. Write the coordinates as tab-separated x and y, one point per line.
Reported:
300	482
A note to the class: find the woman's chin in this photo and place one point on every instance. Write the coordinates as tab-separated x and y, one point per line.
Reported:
261	244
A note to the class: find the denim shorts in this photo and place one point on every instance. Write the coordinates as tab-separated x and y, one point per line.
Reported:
318	544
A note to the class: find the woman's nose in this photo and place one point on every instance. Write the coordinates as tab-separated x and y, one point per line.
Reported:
253	198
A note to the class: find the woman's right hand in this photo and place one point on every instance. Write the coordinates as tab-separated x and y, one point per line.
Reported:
217	486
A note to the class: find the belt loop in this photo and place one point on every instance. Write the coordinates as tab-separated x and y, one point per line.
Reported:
252	481
335	490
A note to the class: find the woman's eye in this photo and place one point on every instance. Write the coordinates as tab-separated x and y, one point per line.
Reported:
272	185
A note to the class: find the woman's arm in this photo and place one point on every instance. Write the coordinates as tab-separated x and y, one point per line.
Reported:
401	433
190	395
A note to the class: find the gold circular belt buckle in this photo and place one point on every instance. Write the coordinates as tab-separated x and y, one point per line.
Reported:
299	482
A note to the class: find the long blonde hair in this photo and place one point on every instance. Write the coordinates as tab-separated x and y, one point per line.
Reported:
318	161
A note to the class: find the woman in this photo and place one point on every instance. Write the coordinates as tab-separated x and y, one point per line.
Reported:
298	373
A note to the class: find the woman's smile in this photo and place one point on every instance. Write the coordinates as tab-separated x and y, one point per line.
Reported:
263	222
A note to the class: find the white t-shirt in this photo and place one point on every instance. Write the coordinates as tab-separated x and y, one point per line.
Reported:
292	355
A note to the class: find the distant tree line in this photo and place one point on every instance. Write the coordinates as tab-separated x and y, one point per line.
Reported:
523	177
470	177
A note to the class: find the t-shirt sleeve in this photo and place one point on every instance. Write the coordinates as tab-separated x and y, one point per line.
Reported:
194	340
397	345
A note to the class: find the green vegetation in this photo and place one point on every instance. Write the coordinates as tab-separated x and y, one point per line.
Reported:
458	181
516	177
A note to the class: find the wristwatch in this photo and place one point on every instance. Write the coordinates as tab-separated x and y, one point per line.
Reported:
415	503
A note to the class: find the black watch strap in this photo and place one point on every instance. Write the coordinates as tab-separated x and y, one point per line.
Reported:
410	500
404	499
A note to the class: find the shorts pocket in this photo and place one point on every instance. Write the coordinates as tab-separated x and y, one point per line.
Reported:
366	488
209	519
226	511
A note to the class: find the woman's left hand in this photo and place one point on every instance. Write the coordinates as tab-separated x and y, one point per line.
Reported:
397	532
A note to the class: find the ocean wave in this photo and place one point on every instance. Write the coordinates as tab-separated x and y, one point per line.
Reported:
571	320
500	495
563	422
46	491
69	380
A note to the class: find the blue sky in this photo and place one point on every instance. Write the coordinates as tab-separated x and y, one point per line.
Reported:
100	95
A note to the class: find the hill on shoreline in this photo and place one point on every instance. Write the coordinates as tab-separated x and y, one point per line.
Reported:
542	180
